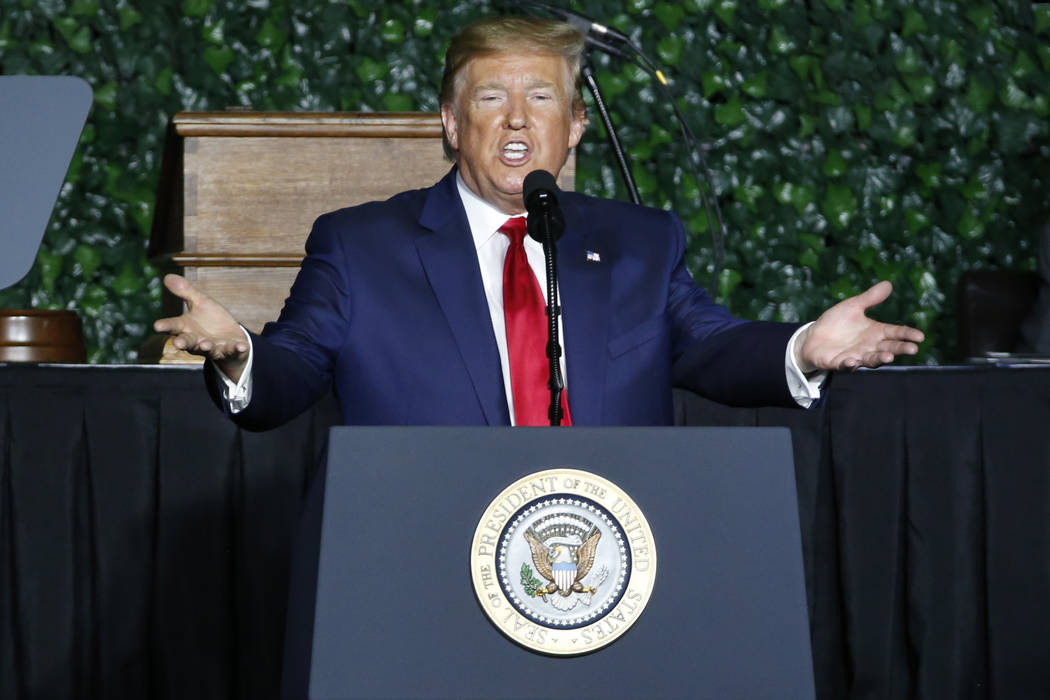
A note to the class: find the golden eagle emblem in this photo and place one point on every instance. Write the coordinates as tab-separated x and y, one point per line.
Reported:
563	564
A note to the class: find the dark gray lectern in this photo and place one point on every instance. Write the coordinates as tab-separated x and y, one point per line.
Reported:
41	118
382	602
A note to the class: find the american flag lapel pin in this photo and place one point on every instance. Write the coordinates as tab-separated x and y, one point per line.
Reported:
593	256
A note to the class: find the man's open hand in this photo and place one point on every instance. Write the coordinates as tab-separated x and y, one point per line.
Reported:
844	338
206	328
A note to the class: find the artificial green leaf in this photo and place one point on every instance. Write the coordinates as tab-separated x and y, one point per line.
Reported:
397	102
862	14
218	58
908	60
163	81
393	30
728	279
916	220
128	282
84	8
970	225
423	26
1013	96
731	113
129	17
979	95
725	9
804	66
106	96
863	113
196	8
748	195
834	164
930	174
369	70
669	49
1023	66
921	87
214	32
1042	16
839	205
1043	51
669	14
87	259
780	42
270	36
982	16
914	22
807	125
755	86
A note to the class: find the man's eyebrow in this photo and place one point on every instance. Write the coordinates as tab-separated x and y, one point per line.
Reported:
541	84
497	85
493	85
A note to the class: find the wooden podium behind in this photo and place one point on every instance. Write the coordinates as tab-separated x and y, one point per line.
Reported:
239	192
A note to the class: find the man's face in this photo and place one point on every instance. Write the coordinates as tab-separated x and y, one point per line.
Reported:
512	114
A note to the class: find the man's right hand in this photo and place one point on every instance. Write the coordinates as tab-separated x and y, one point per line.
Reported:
206	328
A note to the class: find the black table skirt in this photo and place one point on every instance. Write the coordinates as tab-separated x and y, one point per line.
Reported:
144	540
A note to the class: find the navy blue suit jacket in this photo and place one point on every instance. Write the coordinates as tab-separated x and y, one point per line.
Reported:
389	309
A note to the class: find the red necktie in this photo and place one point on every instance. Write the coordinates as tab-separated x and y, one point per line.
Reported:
524	311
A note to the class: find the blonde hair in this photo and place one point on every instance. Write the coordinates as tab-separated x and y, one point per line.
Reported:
512	35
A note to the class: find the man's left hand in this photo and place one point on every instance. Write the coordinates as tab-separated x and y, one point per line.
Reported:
844	338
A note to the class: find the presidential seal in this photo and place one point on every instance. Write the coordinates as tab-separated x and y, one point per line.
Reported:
563	561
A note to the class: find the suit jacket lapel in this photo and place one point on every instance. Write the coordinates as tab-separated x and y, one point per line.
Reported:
451	264
585	261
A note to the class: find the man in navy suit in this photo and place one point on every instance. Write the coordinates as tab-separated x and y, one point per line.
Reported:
400	306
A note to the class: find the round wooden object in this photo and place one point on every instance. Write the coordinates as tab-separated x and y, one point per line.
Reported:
36	335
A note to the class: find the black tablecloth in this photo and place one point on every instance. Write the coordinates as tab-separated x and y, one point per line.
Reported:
144	540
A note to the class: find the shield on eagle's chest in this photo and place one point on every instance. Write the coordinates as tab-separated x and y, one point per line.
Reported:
565	575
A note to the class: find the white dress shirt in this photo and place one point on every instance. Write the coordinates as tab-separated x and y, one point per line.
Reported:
491	246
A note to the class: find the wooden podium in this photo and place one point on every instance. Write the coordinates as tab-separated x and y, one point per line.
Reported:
239	192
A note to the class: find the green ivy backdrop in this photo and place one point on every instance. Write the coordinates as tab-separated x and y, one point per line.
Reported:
849	140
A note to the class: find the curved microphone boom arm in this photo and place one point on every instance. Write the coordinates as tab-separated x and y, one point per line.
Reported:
616	43
610	129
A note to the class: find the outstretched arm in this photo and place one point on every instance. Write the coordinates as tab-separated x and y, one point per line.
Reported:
206	328
844	338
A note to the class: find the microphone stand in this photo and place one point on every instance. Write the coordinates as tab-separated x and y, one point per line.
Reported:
556	383
599	102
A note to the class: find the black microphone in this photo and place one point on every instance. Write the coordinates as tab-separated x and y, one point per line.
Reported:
540	192
585	24
602	36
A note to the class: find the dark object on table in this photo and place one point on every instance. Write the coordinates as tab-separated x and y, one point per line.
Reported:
992	305
38	335
1035	331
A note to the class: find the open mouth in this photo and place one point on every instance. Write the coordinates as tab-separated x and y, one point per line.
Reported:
515	152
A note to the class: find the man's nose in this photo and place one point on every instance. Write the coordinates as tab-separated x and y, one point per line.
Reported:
517	115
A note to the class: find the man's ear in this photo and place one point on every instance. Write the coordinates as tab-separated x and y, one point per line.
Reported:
448	121
576	127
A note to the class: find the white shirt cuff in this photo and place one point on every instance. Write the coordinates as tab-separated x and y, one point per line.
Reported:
237	395
805	390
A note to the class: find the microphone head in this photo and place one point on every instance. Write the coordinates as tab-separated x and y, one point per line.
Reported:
538	180
541	200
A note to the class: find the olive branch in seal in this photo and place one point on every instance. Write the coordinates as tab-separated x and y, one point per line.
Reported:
531	583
